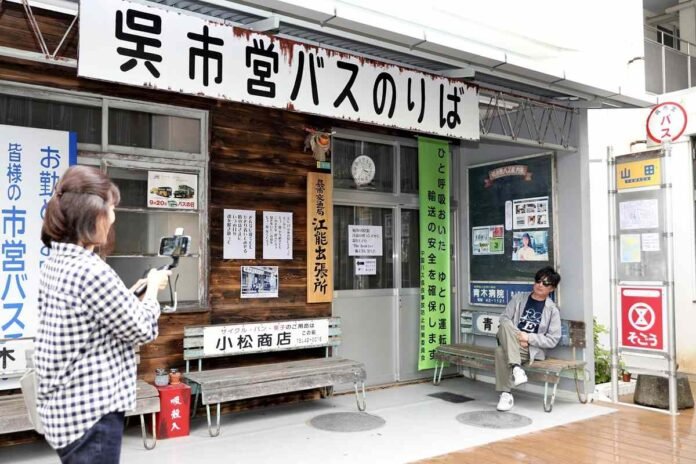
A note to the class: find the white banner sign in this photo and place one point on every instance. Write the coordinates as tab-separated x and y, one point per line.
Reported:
31	162
265	336
159	48
172	190
239	240
364	240
277	235
13	358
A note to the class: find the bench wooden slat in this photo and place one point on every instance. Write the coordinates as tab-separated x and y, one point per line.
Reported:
13	414
275	386
145	406
274	371
483	357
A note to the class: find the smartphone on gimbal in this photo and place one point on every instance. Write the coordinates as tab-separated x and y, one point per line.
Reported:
174	246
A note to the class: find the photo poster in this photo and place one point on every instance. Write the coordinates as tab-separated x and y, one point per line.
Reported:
487	240
259	282
172	190
517	192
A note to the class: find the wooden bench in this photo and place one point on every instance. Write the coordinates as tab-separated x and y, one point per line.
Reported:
14	416
548	371
146	402
237	383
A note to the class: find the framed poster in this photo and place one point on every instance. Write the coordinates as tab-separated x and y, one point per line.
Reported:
510	202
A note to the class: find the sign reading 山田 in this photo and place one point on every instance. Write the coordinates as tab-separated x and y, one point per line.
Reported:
161	48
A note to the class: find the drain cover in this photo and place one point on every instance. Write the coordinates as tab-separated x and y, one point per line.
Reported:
347	422
451	397
494	419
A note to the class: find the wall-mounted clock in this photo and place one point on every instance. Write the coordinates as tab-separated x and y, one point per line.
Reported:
363	170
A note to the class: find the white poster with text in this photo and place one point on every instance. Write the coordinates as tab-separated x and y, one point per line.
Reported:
277	235
364	240
239	239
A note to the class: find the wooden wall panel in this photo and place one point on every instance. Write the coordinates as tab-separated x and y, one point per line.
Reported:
16	32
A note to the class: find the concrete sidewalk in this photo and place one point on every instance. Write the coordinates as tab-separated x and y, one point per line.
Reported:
417	426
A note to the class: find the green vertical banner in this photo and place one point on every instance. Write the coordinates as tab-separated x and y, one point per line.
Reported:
434	191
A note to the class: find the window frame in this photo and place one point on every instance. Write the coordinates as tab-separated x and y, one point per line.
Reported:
105	155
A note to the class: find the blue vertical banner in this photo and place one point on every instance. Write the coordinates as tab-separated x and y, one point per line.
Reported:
31	162
435	291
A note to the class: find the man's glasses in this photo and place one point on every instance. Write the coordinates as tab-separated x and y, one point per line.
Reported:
545	283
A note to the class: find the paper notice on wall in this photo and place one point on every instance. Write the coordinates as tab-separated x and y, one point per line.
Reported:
239	234
630	248
365	266
508	215
638	214
650	242
277	235
364	240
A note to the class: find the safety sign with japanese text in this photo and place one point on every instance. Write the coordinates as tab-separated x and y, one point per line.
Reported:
643	317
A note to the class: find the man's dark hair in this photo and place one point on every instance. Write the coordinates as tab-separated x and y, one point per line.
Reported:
549	274
81	198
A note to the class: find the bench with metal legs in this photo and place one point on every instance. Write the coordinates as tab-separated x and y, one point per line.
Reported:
211	388
550	371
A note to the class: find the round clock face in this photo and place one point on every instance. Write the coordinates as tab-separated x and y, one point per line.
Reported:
363	170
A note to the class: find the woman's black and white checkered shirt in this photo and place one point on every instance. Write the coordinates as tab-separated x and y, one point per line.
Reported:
89	324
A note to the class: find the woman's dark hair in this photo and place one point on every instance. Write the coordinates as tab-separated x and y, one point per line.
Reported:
528	237
81	198
549	274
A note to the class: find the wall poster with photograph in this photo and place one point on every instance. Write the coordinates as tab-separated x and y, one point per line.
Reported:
519	195
259	282
487	240
530	246
530	213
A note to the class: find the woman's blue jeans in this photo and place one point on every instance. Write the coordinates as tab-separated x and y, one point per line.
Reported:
100	444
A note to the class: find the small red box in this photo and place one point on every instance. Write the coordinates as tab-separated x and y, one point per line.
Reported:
175	405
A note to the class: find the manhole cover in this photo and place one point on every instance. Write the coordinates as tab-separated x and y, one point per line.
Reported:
451	397
494	419
347	422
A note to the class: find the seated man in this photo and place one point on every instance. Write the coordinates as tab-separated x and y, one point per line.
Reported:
530	324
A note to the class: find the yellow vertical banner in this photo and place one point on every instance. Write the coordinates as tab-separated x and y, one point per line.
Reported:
319	238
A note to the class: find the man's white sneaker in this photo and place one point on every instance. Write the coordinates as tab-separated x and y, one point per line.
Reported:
506	402
518	376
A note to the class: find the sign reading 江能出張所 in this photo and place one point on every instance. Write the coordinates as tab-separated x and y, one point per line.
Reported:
319	237
433	178
239	235
266	336
277	235
161	48
173	190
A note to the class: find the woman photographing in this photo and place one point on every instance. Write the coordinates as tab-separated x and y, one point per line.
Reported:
89	323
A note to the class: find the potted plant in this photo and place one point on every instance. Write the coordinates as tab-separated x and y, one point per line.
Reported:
625	374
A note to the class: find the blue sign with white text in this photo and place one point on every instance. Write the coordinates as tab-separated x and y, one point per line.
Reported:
497	293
